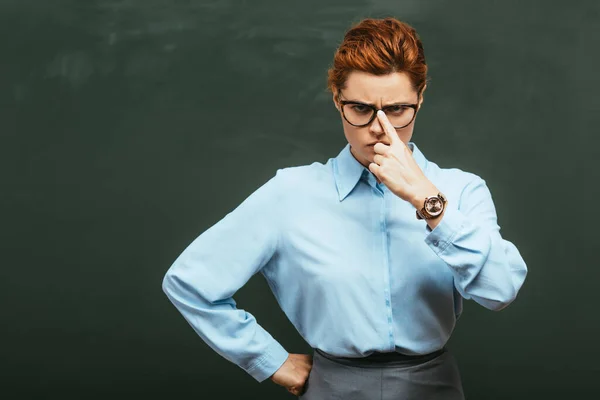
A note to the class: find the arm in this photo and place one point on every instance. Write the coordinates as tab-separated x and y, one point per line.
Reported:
202	280
486	267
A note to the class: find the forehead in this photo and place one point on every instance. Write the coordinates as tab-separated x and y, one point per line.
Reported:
375	88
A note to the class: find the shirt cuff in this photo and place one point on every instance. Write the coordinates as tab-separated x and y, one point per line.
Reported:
442	235
269	363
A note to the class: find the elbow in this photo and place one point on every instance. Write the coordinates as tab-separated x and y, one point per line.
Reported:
167	283
494	305
498	299
499	305
505	297
508	296
507	292
181	289
510	291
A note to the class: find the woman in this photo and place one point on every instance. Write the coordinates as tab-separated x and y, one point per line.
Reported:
369	255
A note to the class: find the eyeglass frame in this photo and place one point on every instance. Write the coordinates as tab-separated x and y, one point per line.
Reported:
344	102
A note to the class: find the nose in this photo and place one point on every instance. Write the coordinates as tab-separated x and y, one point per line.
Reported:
375	126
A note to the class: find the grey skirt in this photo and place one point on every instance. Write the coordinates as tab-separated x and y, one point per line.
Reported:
381	377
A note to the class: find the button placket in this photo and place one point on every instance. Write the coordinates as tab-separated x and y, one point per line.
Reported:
386	266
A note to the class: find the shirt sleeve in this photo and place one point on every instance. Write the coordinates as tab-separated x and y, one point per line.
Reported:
487	268
202	280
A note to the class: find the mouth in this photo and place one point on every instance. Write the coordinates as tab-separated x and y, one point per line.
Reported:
373	144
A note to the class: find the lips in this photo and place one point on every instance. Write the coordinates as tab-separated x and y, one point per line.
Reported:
373	144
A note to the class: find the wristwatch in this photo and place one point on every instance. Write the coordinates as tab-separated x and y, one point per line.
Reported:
433	206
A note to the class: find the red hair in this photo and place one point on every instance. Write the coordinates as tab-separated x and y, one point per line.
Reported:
379	47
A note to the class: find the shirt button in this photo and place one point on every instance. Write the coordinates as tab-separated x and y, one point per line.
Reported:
435	243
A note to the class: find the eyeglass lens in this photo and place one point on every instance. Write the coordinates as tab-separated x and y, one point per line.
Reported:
358	114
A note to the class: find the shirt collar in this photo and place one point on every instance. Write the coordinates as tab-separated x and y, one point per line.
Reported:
347	171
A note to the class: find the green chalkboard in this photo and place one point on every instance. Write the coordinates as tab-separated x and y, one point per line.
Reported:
128	127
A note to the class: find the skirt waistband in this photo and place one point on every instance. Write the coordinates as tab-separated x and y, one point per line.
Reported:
379	359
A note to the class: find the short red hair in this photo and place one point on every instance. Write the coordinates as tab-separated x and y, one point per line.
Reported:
379	47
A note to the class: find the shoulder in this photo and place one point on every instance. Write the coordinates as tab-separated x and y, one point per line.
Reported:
454	182
459	177
303	177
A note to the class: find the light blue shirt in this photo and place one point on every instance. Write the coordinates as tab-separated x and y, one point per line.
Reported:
349	263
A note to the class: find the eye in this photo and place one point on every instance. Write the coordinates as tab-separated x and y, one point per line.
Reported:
398	109
359	108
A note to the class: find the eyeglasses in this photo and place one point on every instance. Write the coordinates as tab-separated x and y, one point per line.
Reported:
360	114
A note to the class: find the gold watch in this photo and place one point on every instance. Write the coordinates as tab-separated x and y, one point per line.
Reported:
433	207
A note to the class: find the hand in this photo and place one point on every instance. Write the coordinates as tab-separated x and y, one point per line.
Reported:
294	372
395	166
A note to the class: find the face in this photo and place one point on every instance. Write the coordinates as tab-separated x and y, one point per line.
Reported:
380	91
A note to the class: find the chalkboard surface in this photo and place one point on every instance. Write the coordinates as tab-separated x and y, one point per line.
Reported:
129	127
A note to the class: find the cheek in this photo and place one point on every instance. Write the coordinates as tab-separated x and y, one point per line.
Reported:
353	134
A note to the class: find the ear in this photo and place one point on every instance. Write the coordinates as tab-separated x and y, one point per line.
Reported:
335	103
421	95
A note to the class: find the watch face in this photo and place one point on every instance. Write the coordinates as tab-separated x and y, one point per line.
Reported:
434	206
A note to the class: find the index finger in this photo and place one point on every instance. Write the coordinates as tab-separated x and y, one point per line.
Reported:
389	129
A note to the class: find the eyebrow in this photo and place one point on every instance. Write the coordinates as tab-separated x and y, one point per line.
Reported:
374	106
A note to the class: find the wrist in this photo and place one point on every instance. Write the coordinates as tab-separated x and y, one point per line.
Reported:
418	198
